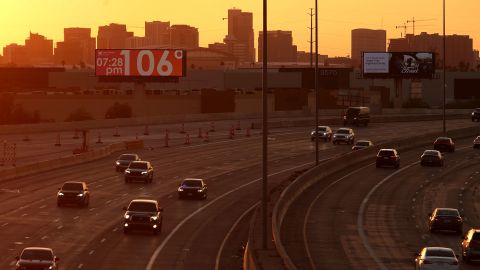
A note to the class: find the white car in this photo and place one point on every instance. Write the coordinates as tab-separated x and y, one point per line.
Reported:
476	142
436	258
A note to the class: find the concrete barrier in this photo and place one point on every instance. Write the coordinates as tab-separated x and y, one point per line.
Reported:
47	165
341	162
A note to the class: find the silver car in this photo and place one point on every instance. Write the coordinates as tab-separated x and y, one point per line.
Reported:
436	258
345	135
324	133
362	144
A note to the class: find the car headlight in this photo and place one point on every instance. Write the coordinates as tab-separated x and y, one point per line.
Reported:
127	171
200	190
144	172
50	267
60	194
312	133
127	216
473	113
154	218
118	162
180	189
344	118
80	195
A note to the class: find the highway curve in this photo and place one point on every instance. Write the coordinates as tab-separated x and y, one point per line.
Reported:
193	231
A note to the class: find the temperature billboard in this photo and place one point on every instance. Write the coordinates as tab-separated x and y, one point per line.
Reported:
398	64
140	62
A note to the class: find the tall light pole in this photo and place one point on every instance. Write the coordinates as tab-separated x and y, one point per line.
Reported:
265	128
316	82
444	72
311	37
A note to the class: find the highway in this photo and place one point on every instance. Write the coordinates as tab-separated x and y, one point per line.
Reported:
195	233
382	219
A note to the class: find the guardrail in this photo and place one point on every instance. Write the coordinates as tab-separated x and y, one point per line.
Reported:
344	161
46	165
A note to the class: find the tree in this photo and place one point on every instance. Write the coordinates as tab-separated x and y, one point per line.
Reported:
118	110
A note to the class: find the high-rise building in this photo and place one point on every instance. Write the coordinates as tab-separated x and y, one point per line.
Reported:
217	46
280	46
76	48
157	34
113	36
240	35
367	40
15	54
37	51
459	48
184	37
136	43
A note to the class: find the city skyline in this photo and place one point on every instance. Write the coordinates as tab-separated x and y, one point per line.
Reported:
335	21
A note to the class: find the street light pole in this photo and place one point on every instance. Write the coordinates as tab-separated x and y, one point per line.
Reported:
316	82
265	128
444	72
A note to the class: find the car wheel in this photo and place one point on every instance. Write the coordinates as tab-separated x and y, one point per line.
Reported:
422	164
204	196
397	165
180	197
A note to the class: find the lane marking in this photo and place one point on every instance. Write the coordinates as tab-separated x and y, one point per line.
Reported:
91	252
4	224
220	250
179	225
80	266
103	240
44	237
59	227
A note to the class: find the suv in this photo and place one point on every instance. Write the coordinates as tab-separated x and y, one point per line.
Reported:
471	245
143	214
345	135
445	219
73	192
139	170
362	144
357	116
444	144
324	132
192	188
431	157
476	115
124	160
388	157
37	258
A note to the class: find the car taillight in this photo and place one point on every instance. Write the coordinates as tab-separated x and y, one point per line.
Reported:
393	157
427	262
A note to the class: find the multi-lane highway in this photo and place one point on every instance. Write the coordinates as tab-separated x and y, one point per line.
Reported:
198	234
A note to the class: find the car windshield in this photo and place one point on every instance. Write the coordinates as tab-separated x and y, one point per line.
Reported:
37	254
138	165
127	157
142	207
476	236
352	111
444	212
363	143
386	153
322	129
72	186
430	153
343	131
439	253
443	140
192	183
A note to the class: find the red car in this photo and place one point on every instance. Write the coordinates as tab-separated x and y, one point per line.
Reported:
444	144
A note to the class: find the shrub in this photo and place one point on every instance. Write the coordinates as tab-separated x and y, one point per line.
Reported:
79	114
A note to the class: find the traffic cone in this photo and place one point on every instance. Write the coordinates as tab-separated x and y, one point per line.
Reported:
182	130
166	138
247	133
99	140
199	133
116	134
238	125
75	135
57	143
205	138
212	126
146	133
187	139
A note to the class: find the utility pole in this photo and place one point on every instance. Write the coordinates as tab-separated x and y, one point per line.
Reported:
444	73
311	41
413	21
265	130
316	83
404	26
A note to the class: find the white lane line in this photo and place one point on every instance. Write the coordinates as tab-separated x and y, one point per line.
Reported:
361	213
170	196
99	185
109	201
60	227
310	207
91	209
91	252
115	229
179	225
76	217
10	190
222	246
23	215
103	240
56	220
4	224
80	266
43	206
12	263
44	237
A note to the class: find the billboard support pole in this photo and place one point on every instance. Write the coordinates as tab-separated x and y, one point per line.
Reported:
397	103
316	84
265	131
444	73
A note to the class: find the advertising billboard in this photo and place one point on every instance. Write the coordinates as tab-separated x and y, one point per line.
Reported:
398	64
140	63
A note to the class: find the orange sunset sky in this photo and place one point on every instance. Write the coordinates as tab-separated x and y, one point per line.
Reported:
336	18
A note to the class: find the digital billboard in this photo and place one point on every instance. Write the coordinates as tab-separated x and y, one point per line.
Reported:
398	64
140	63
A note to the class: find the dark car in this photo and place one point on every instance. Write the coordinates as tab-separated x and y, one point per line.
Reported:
445	219
324	133
431	157
471	245
387	157
356	116
476	142
73	193
444	144
361	144
139	171
345	135
34	258
192	188
123	161
476	115
143	214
